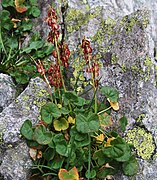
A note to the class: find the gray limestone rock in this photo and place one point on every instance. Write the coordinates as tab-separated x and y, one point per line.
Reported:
124	34
7	91
13	151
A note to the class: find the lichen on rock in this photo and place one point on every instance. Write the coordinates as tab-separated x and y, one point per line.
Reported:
143	142
13	151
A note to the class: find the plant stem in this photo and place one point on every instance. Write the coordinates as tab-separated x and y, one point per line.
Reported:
1	41
95	89
59	62
89	156
69	155
104	110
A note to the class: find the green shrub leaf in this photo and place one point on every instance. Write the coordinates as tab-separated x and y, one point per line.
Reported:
116	149
90	174
49	154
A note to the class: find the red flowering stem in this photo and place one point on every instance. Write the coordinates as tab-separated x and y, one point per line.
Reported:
59	62
94	87
44	77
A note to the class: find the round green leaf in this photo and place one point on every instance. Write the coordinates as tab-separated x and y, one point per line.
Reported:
87	124
61	149
90	174
26	130
49	111
35	11
117	149
61	124
6	3
110	93
49	154
42	136
130	167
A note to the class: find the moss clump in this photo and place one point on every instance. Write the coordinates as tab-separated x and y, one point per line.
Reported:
142	141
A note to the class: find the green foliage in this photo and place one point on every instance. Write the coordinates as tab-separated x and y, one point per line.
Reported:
26	130
87	124
65	143
123	123
15	26
110	93
73	136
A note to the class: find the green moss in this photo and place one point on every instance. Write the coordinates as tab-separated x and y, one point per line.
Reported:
142	141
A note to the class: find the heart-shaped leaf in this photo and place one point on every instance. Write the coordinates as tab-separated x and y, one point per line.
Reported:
42	136
87	124
19	6
26	130
49	111
115	148
61	124
68	175
130	167
110	93
105	120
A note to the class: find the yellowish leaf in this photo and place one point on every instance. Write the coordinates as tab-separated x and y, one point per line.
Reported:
114	105
105	120
108	141
60	124
71	120
15	21
100	138
68	175
19	6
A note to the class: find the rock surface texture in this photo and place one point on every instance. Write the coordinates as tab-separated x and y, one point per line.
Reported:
7	91
14	157
124	34
124	37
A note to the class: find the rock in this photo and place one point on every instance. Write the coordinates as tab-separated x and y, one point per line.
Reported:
13	151
123	35
7	91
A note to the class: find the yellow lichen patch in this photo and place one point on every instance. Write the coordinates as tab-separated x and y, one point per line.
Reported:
42	93
25	98
142	141
76	18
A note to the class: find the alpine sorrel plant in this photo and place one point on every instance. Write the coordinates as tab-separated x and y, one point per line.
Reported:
72	141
